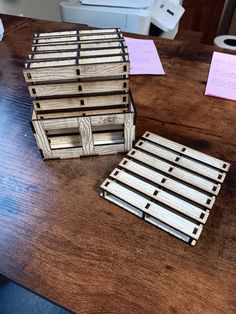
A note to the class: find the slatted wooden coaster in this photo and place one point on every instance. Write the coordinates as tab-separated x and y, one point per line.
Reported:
167	184
79	82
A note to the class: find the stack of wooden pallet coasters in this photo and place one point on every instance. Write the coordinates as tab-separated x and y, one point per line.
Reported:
167	184
80	84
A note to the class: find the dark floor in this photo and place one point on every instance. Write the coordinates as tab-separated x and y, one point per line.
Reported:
17	300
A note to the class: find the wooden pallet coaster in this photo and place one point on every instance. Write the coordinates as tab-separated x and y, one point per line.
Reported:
167	184
79	82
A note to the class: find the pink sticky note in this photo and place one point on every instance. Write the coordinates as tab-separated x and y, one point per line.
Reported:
143	55
222	76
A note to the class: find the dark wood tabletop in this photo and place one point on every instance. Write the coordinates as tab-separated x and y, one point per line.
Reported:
61	240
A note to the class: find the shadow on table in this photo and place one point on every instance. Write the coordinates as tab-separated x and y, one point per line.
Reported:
14	300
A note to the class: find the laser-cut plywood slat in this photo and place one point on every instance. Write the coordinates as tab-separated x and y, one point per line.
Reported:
82	102
96	87
167	184
71	46
79	82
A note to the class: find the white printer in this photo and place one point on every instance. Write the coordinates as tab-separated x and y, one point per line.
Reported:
134	16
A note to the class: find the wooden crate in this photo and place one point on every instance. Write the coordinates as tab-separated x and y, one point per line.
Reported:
82	133
167	184
80	84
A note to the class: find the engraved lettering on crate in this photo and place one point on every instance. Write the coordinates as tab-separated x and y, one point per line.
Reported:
86	135
107	119
42	139
128	130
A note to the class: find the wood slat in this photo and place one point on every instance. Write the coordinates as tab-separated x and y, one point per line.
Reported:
82	38
77	53
64	33
55	47
67	153
109	149
77	46
79	43
31	64
81	102
212	161
76	152
78	32
79	113
78	88
182	161
99	31
77	72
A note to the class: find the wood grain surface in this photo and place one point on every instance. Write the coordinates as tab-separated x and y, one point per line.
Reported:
61	240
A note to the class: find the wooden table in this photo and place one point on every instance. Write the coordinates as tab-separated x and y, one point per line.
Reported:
59	239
